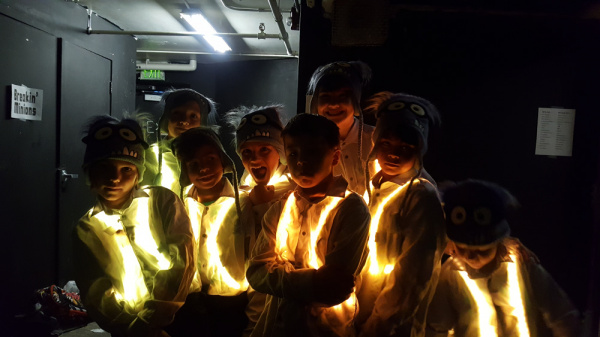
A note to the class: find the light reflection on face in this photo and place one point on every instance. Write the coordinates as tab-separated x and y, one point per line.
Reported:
113	181
205	169
183	118
337	106
395	156
261	160
476	257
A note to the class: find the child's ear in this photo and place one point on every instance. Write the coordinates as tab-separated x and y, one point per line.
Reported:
336	156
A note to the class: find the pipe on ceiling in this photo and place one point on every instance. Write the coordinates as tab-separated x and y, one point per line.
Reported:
279	19
166	66
247	9
260	36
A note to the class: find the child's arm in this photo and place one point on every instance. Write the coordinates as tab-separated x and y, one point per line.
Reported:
171	285
268	274
422	242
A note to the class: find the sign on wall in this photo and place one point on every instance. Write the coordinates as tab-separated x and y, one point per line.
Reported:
26	103
555	132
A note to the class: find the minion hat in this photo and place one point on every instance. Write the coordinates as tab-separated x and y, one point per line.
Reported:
174	98
109	138
406	116
185	146
476	212
258	124
336	75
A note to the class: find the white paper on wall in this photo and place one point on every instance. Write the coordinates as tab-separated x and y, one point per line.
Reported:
555	132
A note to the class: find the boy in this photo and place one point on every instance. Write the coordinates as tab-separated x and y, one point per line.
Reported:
407	235
215	306
258	143
312	242
134	249
334	91
184	109
489	287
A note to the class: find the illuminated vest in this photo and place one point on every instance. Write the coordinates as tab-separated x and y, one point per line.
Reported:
219	268
486	312
169	170
132	250
286	245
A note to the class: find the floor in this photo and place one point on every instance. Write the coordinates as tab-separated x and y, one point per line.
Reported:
90	330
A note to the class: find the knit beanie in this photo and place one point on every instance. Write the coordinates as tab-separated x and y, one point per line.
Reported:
405	116
109	138
185	146
337	75
476	212
257	124
174	98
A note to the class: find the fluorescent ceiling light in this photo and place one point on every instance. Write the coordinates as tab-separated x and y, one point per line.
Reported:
201	25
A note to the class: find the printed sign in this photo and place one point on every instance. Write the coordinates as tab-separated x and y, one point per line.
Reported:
555	132
26	103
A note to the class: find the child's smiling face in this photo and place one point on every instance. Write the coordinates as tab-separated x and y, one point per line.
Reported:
261	160
394	155
205	169
113	181
183	118
309	160
336	105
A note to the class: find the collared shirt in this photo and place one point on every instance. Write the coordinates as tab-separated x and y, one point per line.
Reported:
220	258
548	310
128	258
401	273
351	167
289	309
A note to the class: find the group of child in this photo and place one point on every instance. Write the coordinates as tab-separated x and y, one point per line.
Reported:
334	228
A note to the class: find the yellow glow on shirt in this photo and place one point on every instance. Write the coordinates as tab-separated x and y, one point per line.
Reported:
143	234
312	253
214	252
282	233
515	298
485	307
374	268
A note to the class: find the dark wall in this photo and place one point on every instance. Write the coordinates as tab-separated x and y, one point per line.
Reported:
488	72
36	35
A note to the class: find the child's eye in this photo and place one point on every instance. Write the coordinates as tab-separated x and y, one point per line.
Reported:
265	150
246	153
195	116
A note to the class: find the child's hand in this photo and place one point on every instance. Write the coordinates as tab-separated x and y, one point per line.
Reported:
261	194
332	285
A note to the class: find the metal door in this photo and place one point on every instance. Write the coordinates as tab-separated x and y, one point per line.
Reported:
85	86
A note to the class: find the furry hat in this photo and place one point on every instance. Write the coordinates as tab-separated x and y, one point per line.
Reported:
337	75
110	138
185	146
257	124
406	116
476	212
178	97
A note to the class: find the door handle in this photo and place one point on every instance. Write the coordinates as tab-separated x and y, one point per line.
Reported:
64	177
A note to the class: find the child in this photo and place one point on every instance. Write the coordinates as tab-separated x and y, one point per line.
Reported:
134	249
184	109
258	143
215	306
334	91
312	242
407	236
488	287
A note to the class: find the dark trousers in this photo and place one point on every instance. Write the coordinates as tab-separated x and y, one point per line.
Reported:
211	316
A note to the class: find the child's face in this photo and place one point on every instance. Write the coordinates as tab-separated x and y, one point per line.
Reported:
205	170
183	118
113	181
394	155
309	161
336	105
261	160
476	257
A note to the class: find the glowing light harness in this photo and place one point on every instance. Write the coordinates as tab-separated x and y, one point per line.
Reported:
214	253
374	268
284	253
487	321
167	176
276	179
134	286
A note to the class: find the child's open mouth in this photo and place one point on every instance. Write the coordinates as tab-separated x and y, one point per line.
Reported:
259	172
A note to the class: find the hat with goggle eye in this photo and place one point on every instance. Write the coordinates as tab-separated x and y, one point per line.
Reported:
110	138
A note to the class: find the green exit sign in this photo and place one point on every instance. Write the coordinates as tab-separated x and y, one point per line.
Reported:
152	75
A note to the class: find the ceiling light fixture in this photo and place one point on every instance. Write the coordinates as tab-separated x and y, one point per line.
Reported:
201	25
